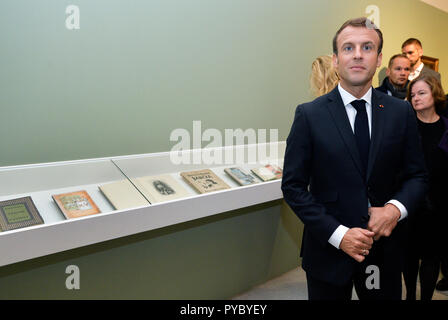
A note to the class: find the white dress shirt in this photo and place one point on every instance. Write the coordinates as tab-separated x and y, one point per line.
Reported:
347	98
416	73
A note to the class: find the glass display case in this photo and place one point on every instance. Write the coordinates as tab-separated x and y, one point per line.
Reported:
127	195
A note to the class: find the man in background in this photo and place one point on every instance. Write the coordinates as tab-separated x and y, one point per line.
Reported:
413	49
396	82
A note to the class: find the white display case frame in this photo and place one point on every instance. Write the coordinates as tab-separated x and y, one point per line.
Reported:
57	234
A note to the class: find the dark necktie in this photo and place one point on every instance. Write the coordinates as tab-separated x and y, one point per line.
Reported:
362	136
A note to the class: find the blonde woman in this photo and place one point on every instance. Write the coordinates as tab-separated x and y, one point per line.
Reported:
324	77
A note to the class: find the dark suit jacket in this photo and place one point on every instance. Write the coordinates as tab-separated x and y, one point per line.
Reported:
321	153
443	144
427	70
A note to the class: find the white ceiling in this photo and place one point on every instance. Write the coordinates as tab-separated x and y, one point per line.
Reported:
439	4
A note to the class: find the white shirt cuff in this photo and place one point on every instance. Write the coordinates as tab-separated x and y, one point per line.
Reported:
403	210
337	236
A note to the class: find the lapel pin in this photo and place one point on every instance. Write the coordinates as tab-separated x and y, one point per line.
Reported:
381	106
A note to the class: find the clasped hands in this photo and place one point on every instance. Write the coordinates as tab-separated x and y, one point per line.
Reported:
357	241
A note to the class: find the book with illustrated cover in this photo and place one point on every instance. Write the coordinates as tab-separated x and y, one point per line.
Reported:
160	188
123	195
76	204
240	176
18	213
204	181
268	172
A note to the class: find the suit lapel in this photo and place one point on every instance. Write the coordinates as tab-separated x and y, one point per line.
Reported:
377	130
337	110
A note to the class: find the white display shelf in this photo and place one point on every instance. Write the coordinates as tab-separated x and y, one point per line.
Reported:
57	234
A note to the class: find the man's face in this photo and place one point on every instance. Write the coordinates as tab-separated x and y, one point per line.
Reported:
413	52
398	72
357	57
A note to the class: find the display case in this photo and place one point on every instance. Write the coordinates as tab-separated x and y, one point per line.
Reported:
58	233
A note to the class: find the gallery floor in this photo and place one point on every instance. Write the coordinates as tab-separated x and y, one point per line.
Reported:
292	286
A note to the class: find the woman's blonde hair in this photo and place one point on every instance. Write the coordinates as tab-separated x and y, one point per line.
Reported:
324	77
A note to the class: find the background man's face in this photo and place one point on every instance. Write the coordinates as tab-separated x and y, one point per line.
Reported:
413	52
357	57
399	71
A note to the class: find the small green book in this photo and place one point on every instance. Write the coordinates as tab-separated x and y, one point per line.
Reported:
18	213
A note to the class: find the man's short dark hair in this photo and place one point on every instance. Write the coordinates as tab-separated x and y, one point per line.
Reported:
361	22
411	41
398	55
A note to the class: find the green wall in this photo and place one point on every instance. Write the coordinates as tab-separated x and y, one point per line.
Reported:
135	71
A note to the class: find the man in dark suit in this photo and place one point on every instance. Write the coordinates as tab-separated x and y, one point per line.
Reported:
353	172
413	49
